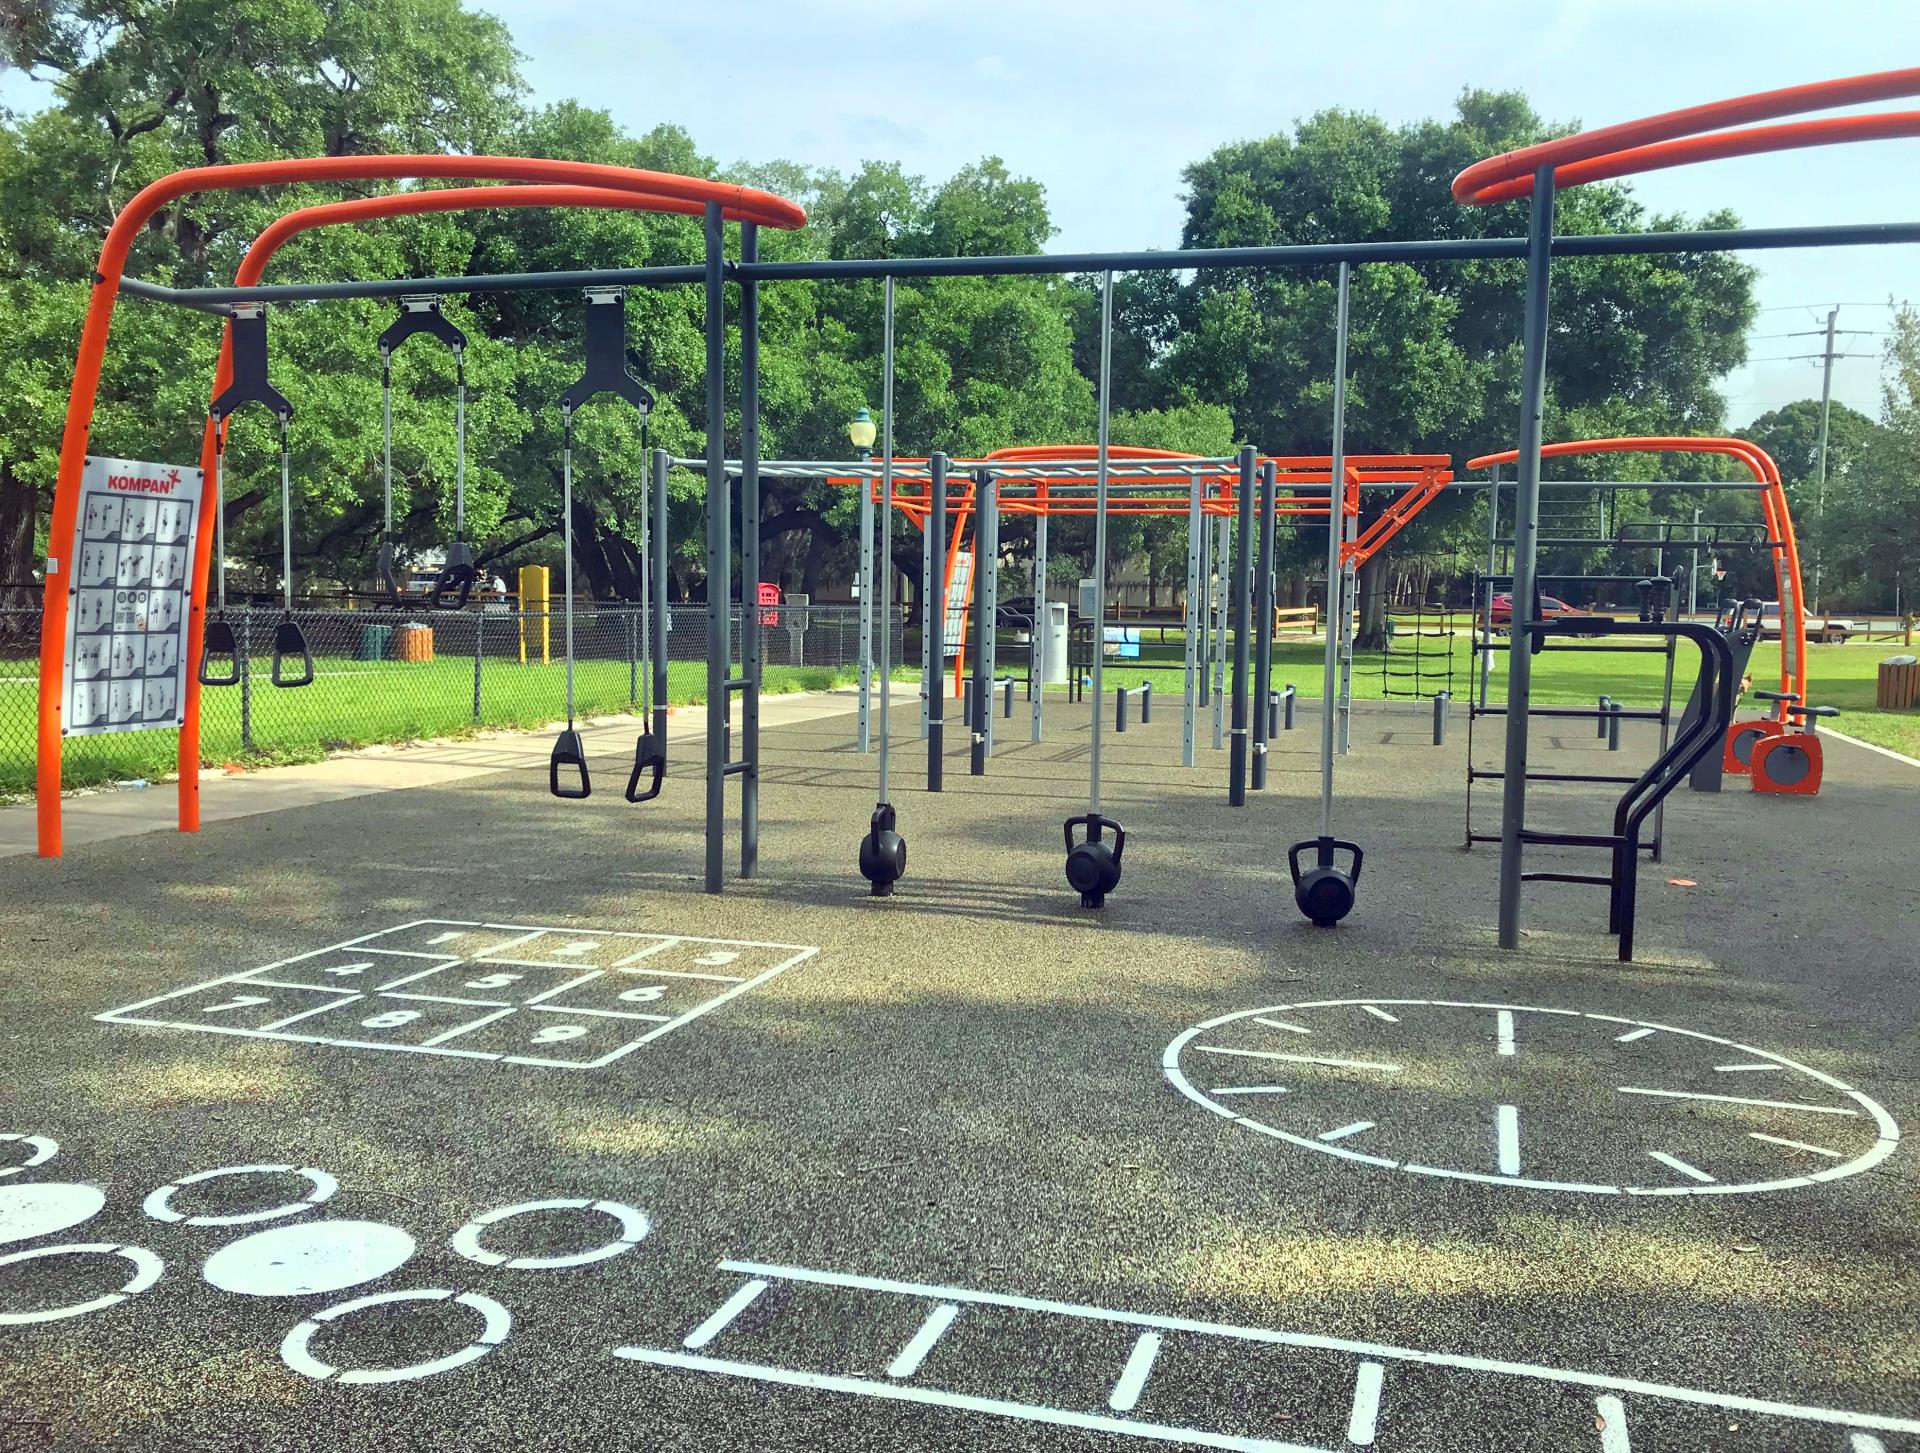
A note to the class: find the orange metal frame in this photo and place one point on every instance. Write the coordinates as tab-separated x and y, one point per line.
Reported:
574	184
1773	509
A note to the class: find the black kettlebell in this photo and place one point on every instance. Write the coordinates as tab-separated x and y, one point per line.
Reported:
1093	865
883	852
1324	892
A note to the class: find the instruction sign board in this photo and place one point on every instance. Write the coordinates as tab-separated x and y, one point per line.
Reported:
959	602
132	546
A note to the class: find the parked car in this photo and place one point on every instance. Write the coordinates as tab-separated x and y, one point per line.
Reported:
1499	619
1830	629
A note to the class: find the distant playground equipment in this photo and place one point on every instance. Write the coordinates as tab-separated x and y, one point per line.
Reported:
1790	763
1533	172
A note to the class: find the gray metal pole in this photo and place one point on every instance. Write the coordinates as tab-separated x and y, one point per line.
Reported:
864	740
1483	624
1820	487
1526	530
933	630
986	563
1100	536
1222	595
1349	606
719	550
1193	622
980	698
1263	628
1205	611
886	536
1242	625
657	599
1042	619
752	652
927	668
1335	535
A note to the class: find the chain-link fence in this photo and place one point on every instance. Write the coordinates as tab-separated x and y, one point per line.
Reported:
389	676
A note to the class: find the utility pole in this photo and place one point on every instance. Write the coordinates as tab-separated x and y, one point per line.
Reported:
1820	487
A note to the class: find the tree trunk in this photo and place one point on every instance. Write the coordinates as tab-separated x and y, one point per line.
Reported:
19	507
1372	635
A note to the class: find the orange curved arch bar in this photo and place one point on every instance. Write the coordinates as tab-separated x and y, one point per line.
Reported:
1774	511
737	203
1633	146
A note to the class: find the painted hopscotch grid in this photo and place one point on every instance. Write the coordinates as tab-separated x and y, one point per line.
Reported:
525	994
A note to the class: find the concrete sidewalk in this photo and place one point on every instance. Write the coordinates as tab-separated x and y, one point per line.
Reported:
95	817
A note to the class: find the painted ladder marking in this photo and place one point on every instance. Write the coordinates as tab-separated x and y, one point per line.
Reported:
449	936
1740	1100
1282	1024
1307	1059
1613	1424
733	1306
1251	1090
1133	1377
578	946
1366	1404
1673	1162
1503	1021
1732	1069
1345	1130
1379	1013
1631	1035
1506	1125
1795	1144
915	1352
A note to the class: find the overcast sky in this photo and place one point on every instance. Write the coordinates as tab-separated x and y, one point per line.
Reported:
1105	103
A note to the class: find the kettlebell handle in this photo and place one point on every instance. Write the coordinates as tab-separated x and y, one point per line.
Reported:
1095	823
1324	849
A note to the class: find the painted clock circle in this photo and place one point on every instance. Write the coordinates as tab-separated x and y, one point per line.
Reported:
1546	1099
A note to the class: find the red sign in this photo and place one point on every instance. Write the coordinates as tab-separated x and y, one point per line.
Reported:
769	595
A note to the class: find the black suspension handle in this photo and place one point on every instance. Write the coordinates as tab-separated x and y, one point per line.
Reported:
1095	823
569	753
454	584
290	644
1324	849
650	763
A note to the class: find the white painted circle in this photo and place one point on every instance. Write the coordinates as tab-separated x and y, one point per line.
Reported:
41	1208
42	1150
159	1204
1844	1101
308	1257
146	1271
633	1228
495	1326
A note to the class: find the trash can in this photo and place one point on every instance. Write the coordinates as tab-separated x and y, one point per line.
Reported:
413	642
1899	684
374	643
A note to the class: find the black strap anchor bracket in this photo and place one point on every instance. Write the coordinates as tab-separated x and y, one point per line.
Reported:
609	361
247	330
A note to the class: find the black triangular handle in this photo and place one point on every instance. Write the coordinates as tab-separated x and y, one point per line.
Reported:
650	764
290	645
569	755
219	642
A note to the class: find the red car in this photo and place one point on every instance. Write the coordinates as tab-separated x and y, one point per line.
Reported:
1500	617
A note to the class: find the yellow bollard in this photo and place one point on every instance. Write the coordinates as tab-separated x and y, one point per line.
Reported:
534	598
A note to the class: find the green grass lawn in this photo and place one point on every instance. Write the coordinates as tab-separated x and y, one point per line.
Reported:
354	704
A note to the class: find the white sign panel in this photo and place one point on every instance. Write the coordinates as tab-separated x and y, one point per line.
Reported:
126	618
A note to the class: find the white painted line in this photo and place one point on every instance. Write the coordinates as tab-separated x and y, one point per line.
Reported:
1282	1024
463	1028
1673	1162
1378	1013
586	978
1507	1135
1503	1022
1740	1100
1133	1377
595	1013
159	1205
1263	1336
1250	1090
1795	1144
451	934
43	1150
445	999
1362	1421
964	1402
1304	1059
1531	1182
665	943
633	1229
1611	1415
1631	1035
732	1307
714	1003
1866	1442
146	1271
308	1013
1735	1069
931	1330
1345	1130
1870	746
495	1324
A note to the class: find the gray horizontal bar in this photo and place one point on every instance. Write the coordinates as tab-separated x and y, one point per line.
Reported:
506	282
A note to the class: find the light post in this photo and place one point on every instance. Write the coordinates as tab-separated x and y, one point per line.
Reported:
860	433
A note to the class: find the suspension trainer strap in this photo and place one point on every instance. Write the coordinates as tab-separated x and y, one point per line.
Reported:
566	517
385	566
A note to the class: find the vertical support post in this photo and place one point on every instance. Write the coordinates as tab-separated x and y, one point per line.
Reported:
1205	611
933	628
864	732
1440	700
1242	625
1222	595
1483	625
1192	621
1104	427
657	597
1042	617
719	550
1526	531
1349	607
980	684
886	543
1336	574
986	565
752	646
1263	629
929	666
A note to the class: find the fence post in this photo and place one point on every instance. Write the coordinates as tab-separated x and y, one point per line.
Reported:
479	654
244	663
